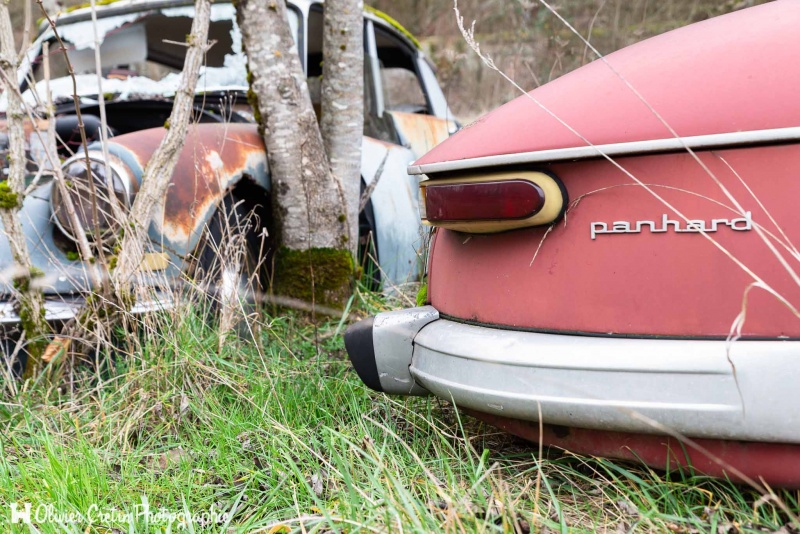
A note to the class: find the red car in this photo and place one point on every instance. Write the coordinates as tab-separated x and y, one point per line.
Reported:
614	254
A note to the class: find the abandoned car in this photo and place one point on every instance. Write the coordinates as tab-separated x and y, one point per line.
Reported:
614	257
224	156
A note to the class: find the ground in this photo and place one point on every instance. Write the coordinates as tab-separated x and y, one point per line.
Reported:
281	435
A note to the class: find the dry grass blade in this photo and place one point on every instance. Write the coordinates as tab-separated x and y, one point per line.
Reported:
157	174
31	300
82	129
469	37
58	174
116	208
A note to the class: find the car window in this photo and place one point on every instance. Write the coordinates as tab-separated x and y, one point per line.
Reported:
402	89
144	52
152	47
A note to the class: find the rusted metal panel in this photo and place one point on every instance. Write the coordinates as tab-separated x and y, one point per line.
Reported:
40	125
778	464
396	201
34	132
400	235
419	132
214	158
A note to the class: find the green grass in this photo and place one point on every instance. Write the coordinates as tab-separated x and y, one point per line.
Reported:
281	432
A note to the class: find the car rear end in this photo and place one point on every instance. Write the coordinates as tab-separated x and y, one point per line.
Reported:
613	254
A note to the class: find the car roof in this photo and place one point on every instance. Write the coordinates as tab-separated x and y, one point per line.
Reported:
110	8
732	74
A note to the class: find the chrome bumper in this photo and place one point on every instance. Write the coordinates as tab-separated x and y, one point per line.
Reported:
63	310
747	390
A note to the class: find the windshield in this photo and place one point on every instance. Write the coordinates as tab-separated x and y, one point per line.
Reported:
142	54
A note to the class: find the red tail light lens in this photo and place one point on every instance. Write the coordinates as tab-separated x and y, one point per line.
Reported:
485	201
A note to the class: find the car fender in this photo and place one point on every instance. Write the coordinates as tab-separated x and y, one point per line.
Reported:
421	132
214	158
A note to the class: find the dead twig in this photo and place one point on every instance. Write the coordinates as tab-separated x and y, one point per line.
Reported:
372	185
84	141
157	174
31	301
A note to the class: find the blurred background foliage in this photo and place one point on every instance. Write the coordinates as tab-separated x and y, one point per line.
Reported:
523	38
529	43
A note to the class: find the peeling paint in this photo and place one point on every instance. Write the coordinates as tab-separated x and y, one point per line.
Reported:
214	158
421	132
232	76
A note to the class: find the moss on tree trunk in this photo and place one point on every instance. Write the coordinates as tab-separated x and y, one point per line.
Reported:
322	276
310	212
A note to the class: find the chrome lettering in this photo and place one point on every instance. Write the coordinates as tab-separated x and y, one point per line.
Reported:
741	224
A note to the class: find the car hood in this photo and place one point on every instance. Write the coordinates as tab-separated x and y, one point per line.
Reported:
734	73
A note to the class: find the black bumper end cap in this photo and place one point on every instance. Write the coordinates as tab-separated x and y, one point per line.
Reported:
361	349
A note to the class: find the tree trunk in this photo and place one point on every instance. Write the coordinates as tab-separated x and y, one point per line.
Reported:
12	191
158	173
342	122
310	218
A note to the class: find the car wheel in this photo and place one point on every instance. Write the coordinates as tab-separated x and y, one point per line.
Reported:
227	264
368	248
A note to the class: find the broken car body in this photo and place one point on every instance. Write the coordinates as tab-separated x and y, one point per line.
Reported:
141	58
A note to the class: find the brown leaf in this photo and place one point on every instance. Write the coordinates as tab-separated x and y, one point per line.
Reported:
170	458
317	483
58	346
184	404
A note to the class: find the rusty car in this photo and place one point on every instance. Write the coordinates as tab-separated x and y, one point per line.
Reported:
613	268
224	157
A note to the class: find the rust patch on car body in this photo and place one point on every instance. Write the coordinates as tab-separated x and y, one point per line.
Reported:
30	127
420	132
214	158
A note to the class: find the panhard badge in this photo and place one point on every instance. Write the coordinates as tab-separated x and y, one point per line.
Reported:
741	224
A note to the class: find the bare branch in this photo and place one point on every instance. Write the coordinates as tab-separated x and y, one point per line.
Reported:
84	142
158	173
373	184
26	32
119	213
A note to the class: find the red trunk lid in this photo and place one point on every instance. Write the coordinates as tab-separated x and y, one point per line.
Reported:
622	262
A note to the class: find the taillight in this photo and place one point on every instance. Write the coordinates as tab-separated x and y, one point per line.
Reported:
492	203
